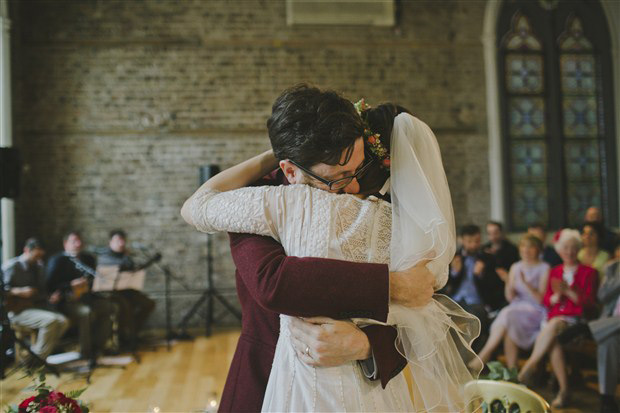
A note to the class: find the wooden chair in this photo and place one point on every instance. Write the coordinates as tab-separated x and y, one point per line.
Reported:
501	396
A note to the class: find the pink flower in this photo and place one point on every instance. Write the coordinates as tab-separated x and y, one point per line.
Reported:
48	409
372	140
386	162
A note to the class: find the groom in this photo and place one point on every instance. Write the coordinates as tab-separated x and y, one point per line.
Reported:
317	137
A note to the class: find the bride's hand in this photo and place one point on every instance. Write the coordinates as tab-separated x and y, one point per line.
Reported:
413	287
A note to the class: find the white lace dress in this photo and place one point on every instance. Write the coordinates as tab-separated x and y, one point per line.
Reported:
309	222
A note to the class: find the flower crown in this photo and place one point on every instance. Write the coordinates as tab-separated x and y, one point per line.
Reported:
372	139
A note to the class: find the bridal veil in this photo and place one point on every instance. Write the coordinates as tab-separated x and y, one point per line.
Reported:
435	339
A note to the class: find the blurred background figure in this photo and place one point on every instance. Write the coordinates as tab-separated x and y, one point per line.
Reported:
591	254
134	307
24	280
569	296
504	251
549	254
518	323
69	280
608	238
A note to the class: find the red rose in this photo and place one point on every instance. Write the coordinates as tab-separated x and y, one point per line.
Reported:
75	407
386	162
372	140
56	396
24	405
48	409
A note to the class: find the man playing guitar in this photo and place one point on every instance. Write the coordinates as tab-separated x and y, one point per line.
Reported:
26	299
69	286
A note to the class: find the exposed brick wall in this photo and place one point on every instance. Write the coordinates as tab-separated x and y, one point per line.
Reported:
117	104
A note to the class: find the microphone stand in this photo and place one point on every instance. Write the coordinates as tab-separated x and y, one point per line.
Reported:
170	334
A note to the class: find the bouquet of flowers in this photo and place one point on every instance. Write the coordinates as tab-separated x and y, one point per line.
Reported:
48	400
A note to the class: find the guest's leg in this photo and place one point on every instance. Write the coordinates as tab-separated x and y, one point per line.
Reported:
498	332
609	364
545	340
103	310
80	315
558	364
511	351
50	327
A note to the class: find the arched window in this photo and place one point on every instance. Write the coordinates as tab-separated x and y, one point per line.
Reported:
556	100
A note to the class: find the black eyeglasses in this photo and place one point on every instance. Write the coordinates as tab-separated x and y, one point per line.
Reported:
340	183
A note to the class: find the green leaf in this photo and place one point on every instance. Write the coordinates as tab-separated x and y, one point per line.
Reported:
74	394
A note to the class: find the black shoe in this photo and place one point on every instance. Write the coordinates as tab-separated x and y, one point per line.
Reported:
572	332
608	404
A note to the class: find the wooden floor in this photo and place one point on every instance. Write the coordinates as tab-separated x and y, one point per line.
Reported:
182	380
185	379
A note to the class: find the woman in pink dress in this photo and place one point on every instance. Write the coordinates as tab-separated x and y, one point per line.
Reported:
518	324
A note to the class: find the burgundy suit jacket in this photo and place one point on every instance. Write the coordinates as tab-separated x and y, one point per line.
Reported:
269	283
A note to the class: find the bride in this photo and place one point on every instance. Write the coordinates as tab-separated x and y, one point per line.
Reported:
417	225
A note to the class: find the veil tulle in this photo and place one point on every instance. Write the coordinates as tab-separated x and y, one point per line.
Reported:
435	339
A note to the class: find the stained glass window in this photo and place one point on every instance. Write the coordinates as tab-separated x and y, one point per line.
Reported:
554	106
527	117
521	36
524	73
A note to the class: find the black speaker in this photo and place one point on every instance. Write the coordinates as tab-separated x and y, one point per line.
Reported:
208	171
10	167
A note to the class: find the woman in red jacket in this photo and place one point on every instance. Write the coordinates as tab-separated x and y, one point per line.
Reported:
571	292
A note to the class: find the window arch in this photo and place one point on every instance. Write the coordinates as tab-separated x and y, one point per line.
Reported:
556	105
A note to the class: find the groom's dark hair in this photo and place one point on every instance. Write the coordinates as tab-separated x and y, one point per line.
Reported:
311	126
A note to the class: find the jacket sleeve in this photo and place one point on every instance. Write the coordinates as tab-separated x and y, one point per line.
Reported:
308	287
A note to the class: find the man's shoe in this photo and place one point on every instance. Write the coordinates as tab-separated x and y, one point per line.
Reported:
572	332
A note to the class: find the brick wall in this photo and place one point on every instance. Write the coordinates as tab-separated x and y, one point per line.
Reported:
117	104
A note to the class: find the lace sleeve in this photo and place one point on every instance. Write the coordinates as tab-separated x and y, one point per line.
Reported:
244	210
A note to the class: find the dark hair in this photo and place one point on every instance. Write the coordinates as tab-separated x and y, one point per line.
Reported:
32	243
497	224
121	233
597	227
381	121
470	229
311	126
68	234
538	225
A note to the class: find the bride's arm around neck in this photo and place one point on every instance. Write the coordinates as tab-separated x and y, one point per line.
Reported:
236	177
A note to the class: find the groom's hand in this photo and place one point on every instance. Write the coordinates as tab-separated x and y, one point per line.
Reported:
328	342
413	287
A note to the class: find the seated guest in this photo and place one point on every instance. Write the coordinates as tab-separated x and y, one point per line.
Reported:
504	251
24	279
134	306
70	289
473	282
606	332
570	293
549	254
592	254
518	324
609	238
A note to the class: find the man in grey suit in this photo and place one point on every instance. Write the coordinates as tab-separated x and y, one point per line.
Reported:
606	332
